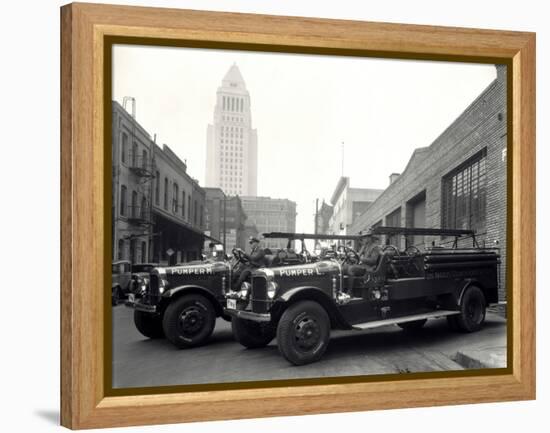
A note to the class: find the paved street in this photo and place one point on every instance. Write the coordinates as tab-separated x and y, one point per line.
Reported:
139	361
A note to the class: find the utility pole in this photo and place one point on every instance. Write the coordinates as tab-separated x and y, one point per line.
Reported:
316	215
224	222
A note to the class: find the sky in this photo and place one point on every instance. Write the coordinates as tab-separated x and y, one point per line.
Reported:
303	107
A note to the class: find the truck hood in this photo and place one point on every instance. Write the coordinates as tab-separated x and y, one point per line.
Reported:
302	270
204	269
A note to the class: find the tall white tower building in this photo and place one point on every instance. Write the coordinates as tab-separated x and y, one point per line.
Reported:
232	144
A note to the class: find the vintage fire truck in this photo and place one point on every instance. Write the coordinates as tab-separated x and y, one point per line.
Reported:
182	302
300	305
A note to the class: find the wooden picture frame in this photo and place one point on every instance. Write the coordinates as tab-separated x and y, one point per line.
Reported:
85	212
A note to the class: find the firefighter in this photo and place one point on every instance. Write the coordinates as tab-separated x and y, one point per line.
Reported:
369	256
255	260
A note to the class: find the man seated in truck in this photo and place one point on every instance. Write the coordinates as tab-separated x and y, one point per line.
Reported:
369	258
255	260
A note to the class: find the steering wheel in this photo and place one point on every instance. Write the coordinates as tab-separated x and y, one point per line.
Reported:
349	251
392	248
239	255
411	250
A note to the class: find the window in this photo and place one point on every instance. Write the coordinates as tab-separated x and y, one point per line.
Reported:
143	209
189	208
195	212
464	195
183	204
201	215
120	249
134	154
393	220
124	147
166	193
123	200
143	252
133	247
176	193
134	204
157	188
144	159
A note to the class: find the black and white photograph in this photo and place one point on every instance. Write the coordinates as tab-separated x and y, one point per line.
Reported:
283	216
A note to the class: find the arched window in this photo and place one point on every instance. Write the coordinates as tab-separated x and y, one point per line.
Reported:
134	154
134	204
120	249
143	208
166	193
133	247
123	200
124	147
143	252
176	194
157	188
183	204
144	159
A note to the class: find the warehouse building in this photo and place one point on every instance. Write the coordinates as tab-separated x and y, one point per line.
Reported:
458	182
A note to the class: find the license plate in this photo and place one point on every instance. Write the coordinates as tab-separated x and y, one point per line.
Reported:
131	297
232	304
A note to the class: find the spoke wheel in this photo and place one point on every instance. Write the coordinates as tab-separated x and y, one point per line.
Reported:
303	332
189	321
472	310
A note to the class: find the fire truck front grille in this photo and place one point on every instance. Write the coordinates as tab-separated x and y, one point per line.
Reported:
259	295
154	285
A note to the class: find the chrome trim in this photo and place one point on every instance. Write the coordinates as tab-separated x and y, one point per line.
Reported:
248	315
141	307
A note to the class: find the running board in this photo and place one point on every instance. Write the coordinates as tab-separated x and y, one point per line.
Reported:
396	320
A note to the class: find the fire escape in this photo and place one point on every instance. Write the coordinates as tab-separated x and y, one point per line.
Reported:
141	165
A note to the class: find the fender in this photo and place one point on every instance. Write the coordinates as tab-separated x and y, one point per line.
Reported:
310	293
193	288
469	282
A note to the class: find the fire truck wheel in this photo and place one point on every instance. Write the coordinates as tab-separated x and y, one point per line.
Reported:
148	325
415	325
472	310
303	332
189	321
251	334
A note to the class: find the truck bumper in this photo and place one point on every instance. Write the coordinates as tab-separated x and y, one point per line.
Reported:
248	315
137	305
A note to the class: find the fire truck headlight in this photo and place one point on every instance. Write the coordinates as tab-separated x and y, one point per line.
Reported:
271	289
245	288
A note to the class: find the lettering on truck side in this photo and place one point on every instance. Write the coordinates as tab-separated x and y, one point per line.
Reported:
299	272
194	271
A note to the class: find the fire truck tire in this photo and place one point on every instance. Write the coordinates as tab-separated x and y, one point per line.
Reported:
189	321
148	324
415	325
472	310
303	332
252	335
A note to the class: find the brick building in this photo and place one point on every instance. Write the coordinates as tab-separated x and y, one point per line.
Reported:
322	218
271	215
225	219
157	208
458	181
347	204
